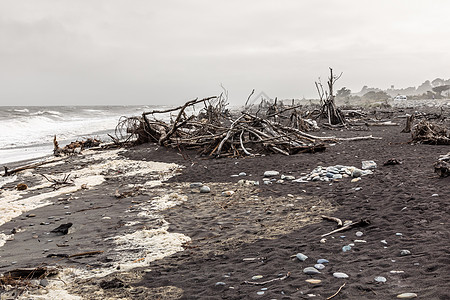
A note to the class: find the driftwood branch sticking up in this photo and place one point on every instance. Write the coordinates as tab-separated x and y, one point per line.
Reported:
328	107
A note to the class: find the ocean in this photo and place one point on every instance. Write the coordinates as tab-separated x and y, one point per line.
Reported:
26	132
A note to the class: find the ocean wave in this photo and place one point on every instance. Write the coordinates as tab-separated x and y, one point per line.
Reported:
40	129
21	110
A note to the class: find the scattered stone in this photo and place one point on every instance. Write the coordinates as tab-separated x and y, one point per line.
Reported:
256	277
323	241
30	215
319	266
260	293
68	213
322	261
271	173
384	242
435	195
380	279
356	179
358	189
405	252
301	256
398	234
340	275
205	189
196	185
220	283
396	272
311	271
359	233
337	176
346	248
360	241
228	193
357	173
313	281
407	296
242	174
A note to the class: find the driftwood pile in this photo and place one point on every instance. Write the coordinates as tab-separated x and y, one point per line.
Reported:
442	166
74	147
215	132
426	132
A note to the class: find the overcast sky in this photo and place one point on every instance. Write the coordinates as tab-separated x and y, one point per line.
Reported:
87	52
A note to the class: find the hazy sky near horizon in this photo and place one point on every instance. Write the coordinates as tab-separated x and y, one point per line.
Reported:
111	52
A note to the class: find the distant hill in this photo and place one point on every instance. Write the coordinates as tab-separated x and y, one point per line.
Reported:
425	88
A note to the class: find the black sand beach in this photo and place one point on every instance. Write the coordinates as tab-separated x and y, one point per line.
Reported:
209	246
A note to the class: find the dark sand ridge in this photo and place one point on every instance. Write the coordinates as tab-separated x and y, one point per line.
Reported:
222	236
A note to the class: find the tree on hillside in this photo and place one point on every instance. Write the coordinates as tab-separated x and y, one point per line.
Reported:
439	89
437	82
343	93
372	95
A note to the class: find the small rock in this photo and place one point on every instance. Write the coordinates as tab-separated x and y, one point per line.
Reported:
68	213
227	193
205	189
396	272
357	173
287	177
358	189
311	271
220	283
380	279
323	241
256	277
435	195
368	164
301	256
405	252
359	233
407	296
398	234
260	293
322	261
340	275
30	215
242	174
346	248
356	179
384	242
319	266
360	241
43	282
337	176
271	173
313	281
196	185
